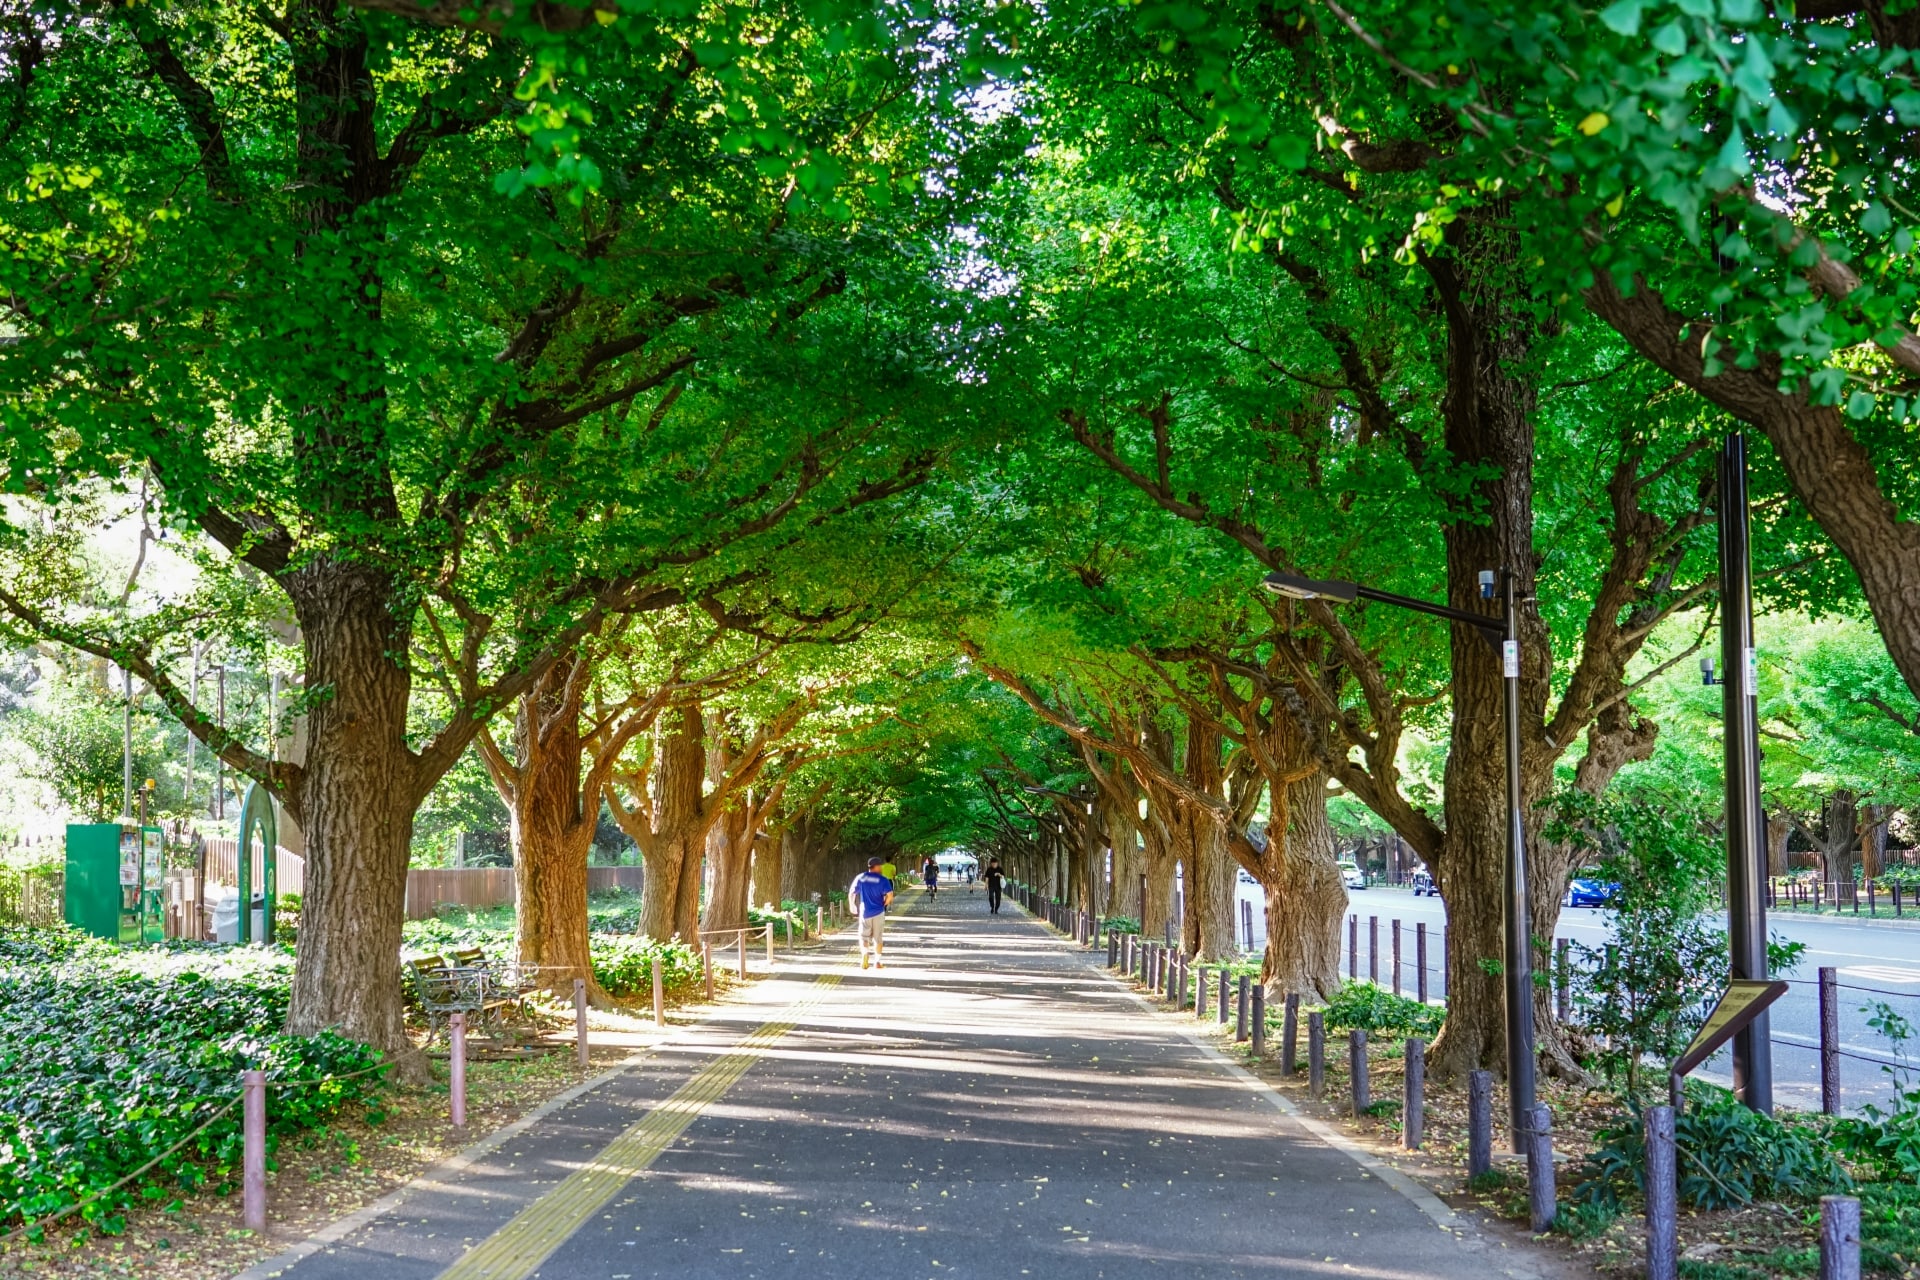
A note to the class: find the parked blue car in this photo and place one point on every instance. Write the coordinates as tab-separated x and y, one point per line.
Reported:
1584	891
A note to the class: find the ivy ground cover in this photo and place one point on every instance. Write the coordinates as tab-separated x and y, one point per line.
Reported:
109	1057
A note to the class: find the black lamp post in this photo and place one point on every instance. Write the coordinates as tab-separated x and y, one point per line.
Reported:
1504	634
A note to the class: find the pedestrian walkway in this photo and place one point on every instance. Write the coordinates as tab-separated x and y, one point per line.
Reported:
991	1104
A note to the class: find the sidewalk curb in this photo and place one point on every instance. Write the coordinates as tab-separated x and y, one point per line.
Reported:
340	1228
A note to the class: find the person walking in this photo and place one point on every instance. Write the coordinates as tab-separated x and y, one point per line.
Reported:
871	893
993	875
931	874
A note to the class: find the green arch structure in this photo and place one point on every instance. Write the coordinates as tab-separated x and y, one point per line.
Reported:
256	815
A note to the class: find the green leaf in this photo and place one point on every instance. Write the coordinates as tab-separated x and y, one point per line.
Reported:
1859	405
1670	39
1623	16
1876	221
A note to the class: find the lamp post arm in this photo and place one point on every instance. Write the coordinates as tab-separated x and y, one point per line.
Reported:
1494	626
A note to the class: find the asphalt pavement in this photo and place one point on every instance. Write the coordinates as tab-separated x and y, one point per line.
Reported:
1878	962
991	1104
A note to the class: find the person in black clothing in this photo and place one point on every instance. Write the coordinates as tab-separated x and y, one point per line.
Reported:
993	875
931	875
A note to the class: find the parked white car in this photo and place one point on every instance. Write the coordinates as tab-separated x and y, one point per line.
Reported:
1351	875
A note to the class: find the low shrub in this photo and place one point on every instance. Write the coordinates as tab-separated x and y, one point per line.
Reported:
1120	924
1729	1156
623	964
1375	1010
108	1057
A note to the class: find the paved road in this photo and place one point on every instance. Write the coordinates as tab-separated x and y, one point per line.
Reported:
1878	960
991	1105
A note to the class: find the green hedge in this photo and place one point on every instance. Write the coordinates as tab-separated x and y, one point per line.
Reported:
109	1057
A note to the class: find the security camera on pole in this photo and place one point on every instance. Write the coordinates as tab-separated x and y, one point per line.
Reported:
1503	633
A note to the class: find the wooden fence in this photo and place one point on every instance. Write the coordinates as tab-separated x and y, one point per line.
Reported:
32	896
429	889
223	866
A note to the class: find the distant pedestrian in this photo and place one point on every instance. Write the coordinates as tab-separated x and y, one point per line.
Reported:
888	870
969	869
993	875
871	894
931	874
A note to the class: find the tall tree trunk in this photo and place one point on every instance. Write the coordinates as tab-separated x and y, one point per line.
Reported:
673	829
768	875
1487	412
1210	888
1157	866
356	800
1125	861
1779	827
1305	894
729	848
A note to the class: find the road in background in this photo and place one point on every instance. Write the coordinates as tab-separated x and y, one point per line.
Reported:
1878	960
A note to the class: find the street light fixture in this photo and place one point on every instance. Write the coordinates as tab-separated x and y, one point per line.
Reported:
1503	633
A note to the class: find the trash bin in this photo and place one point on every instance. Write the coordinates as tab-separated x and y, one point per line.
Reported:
224	905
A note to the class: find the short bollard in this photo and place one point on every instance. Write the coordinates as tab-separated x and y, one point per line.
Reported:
1663	1197
1125	957
1200	992
1373	950
1289	1033
706	968
1540	1192
742	940
580	1021
1396	955
1479	1123
1357	1071
1240	1012
1226	996
659	992
1173	963
1316	1053
1839	1238
253	1150
1353	946
769	946
1180	986
1413	1115
1259	1019
457	1069
1113	949
1830	1041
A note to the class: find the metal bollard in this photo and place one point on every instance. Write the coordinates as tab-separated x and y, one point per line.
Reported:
1479	1123
1830	1041
1240	1013
253	1153
1413	1115
1289	1033
1353	946
1316	1052
659	991
1373	950
1562	981
1420	959
1361	1086
1540	1192
1396	955
1663	1197
706	968
1839	1238
580	1021
457	1069
1259	1019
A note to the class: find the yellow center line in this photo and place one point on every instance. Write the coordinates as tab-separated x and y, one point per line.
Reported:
517	1249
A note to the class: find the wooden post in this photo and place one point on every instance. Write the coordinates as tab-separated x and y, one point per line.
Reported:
1357	1071
1413	1116
1240	1015
1353	946
1663	1197
1289	1033
1839	1238
706	968
580	1021
1226	981
742	938
253	1141
769	946
1479	1123
1396	955
1540	1190
1373	950
1830	1041
1420	959
1200	991
1113	949
1316	1052
1562	981
1180	993
659	991
457	1068
1259	1019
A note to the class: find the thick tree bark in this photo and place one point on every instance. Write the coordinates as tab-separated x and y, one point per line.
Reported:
1779	827
669	823
1157	864
355	801
767	873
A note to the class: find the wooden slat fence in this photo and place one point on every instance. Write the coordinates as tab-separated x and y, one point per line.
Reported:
223	866
430	888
